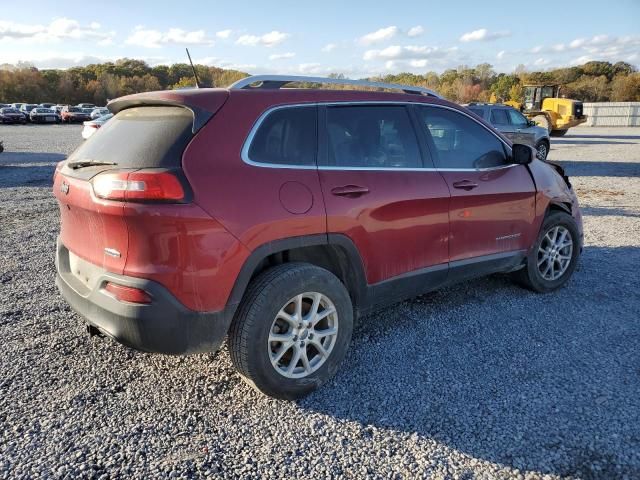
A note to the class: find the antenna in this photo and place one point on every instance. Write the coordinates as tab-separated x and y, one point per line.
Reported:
195	74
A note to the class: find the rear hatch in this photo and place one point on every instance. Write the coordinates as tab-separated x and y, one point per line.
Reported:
146	135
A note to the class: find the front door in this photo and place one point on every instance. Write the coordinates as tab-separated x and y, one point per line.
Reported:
378	192
492	202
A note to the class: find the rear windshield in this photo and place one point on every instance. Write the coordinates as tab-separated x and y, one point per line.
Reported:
140	137
477	111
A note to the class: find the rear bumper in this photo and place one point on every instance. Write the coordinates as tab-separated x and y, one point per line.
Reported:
163	326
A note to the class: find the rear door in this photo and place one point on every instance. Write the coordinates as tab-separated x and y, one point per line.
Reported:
492	201
378	192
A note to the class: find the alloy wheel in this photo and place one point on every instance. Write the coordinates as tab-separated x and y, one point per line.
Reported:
555	253
303	335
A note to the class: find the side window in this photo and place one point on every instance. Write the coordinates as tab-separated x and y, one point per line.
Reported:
459	141
499	116
287	136
371	136
517	119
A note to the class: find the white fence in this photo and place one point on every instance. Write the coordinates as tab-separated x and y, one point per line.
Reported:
613	114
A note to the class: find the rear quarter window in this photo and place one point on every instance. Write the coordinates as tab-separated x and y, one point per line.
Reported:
286	136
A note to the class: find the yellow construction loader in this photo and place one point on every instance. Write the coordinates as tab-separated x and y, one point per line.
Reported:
543	105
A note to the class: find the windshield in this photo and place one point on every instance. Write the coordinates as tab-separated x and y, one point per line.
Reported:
74	109
9	110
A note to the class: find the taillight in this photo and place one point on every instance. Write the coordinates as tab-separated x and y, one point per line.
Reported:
127	294
138	186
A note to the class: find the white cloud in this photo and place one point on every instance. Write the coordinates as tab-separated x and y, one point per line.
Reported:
150	38
52	59
415	31
500	54
329	47
270	39
577	43
540	62
281	56
419	63
560	47
311	68
483	34
58	29
410	52
380	35
581	60
224	34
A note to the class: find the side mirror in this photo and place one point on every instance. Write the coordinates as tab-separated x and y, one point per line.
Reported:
521	154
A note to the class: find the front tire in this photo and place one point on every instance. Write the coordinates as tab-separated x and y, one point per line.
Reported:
292	330
542	150
554	256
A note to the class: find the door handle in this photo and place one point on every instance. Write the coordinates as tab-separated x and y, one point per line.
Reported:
465	185
351	191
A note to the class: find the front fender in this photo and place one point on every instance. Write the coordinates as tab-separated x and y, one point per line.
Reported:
552	188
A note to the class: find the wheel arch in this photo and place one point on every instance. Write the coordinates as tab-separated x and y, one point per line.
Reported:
558	206
334	252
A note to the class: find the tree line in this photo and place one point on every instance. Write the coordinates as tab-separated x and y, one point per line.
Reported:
97	83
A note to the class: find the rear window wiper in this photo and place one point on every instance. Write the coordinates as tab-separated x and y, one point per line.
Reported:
88	163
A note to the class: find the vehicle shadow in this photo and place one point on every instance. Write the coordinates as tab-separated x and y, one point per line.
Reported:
542	383
608	137
576	168
617	211
25	169
571	141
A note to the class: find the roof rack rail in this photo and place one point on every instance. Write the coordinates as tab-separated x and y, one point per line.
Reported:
279	81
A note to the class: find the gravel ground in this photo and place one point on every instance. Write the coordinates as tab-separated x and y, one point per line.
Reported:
481	380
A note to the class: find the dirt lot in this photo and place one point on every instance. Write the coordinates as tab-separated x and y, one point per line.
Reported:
482	380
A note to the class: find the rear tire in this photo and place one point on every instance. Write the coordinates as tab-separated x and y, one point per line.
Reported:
554	256
279	340
558	133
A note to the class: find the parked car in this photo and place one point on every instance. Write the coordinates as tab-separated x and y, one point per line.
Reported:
17	106
43	115
92	126
86	105
99	112
11	115
26	108
4	105
514	125
46	105
276	217
74	114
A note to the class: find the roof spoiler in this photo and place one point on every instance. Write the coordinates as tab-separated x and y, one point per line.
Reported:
203	107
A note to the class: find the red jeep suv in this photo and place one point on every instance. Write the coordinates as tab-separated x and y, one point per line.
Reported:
275	217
